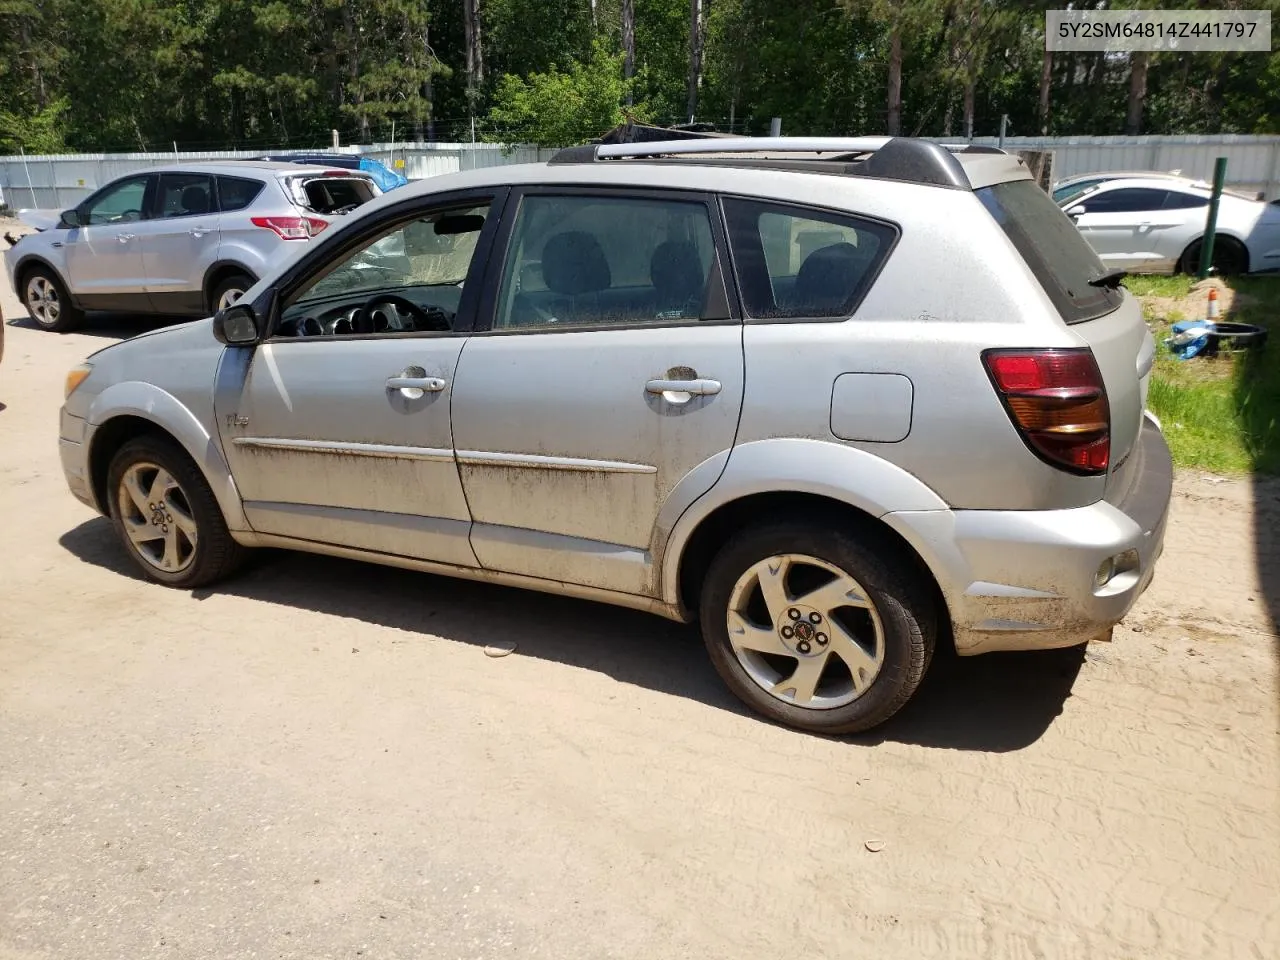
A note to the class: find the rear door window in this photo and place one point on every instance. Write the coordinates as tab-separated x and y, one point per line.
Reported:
236	193
184	195
1052	247
797	263
1177	200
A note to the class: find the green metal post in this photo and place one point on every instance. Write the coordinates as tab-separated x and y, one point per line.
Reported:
1206	246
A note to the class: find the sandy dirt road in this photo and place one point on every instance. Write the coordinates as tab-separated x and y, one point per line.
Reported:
318	760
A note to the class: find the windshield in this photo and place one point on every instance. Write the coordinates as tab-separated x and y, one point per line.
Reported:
1052	247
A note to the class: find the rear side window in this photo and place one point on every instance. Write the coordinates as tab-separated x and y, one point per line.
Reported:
235	193
796	263
1052	247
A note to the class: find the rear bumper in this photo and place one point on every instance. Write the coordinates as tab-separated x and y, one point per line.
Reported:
1026	580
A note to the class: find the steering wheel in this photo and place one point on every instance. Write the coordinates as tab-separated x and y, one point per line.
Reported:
433	319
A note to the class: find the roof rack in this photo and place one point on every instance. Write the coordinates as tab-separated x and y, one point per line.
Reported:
884	158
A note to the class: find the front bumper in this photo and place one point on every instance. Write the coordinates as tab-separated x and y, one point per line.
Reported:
1026	580
74	454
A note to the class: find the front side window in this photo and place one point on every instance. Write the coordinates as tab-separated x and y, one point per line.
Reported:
587	260
407	280
123	202
184	195
798	263
1128	200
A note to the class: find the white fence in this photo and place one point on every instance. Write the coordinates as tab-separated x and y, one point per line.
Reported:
1253	163
63	180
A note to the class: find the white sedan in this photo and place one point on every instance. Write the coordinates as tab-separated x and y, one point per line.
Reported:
1155	225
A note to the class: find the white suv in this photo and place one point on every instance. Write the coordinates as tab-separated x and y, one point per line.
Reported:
180	240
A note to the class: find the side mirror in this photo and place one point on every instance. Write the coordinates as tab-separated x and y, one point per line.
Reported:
236	325
71	218
1075	213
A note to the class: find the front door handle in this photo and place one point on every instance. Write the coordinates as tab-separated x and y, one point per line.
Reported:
682	391
199	232
124	237
413	388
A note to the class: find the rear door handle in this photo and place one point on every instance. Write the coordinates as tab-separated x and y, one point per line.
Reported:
199	232
682	391
124	237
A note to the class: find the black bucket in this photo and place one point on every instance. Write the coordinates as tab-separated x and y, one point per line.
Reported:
1231	337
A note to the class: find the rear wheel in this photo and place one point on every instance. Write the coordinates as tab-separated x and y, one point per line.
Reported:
228	290
817	629
166	516
1230	258
46	299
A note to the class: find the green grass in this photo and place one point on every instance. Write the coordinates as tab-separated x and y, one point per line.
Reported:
1178	285
1220	414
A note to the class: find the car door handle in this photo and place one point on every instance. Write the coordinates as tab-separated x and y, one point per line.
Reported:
425	384
681	391
124	237
199	232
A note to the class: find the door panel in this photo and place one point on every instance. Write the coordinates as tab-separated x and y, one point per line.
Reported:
338	428
323	449
104	260
180	241
598	388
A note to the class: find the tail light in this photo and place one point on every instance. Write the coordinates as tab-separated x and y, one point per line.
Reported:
1058	402
292	228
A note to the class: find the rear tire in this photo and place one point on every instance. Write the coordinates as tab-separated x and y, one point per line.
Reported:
47	301
1230	258
228	290
816	628
166	516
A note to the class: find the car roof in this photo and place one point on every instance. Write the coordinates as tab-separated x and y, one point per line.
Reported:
1155	183
1120	175
232	167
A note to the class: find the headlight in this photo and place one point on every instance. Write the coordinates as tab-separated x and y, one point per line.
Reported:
76	376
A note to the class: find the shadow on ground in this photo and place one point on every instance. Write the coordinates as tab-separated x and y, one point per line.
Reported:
111	325
999	702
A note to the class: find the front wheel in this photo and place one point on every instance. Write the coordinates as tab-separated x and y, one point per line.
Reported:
46	299
815	628
166	516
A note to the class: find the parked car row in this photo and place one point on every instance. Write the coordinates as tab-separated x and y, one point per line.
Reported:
1155	223
181	240
698	378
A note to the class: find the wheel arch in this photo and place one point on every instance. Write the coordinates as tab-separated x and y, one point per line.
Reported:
127	410
1218	235
31	260
219	271
839	484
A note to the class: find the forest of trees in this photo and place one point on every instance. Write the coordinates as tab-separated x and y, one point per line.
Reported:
145	74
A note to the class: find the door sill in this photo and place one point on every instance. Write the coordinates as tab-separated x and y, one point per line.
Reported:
596	594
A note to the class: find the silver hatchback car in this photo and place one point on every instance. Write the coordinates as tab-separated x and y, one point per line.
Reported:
836	400
180	240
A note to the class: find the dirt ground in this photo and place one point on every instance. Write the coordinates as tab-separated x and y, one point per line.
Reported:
318	760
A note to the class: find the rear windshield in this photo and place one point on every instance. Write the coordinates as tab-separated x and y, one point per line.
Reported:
1052	247
331	195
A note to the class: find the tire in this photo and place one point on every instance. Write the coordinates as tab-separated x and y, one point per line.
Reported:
47	301
236	283
897	629
1229	258
175	532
